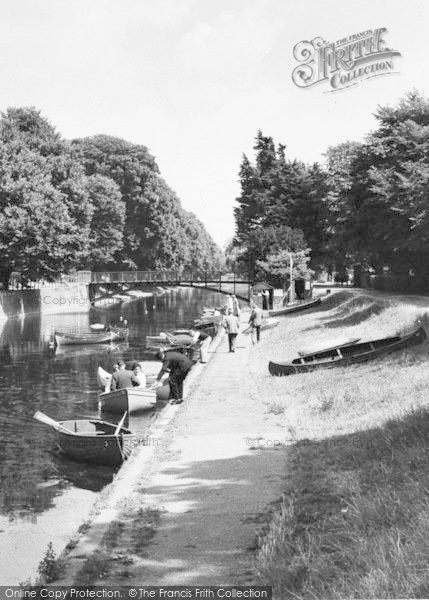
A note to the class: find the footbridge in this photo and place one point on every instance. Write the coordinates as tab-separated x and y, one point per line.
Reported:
123	282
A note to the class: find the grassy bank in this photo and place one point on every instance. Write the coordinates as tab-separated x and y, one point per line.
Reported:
354	520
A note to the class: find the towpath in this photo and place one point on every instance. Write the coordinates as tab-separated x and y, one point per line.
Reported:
191	514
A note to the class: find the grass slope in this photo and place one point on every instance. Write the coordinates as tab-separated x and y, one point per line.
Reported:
354	520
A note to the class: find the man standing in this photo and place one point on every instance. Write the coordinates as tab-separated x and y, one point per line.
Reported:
255	322
179	366
231	325
122	378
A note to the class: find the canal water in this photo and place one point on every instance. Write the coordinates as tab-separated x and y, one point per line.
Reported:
43	496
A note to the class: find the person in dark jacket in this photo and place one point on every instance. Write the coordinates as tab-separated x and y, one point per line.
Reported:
178	365
255	322
123	378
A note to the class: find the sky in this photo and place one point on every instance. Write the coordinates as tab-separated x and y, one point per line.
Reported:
194	80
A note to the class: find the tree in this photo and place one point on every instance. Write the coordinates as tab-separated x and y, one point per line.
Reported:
45	212
278	264
158	232
107	224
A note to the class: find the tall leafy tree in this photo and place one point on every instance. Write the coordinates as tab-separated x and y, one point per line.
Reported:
45	211
157	232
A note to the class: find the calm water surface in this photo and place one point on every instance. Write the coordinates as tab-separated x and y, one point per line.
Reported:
44	497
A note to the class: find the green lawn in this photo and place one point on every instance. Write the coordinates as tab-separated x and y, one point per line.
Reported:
354	520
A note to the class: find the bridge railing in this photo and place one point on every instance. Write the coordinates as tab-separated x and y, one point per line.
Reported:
172	276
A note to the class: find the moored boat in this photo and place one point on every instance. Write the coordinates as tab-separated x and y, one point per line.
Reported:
349	353
128	399
149	368
266	324
92	440
292	308
91	337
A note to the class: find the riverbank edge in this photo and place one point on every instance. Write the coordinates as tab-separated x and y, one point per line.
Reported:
110	502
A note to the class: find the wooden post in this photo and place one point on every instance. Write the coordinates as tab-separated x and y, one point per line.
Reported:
292	290
220	280
234	283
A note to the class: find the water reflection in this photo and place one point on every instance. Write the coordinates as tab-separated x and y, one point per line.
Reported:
63	385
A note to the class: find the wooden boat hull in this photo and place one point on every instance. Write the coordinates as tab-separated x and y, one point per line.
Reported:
104	337
327	346
93	441
266	324
129	399
149	368
286	310
356	353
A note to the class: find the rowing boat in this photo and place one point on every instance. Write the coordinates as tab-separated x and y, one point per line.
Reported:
292	308
92	440
346	354
128	399
91	337
266	324
175	338
149	368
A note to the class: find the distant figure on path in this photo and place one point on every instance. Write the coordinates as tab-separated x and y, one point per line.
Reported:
255	322
138	378
231	325
235	306
265	299
179	366
122	378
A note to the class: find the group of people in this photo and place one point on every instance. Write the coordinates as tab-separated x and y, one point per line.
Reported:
231	323
177	364
174	362
124	377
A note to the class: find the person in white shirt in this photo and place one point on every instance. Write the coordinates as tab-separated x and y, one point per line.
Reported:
232	326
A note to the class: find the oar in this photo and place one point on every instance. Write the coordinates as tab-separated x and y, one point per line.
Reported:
121	422
48	421
116	434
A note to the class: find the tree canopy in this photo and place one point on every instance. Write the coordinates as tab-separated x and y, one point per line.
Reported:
367	207
94	203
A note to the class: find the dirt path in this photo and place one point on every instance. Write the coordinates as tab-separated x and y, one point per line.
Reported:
215	474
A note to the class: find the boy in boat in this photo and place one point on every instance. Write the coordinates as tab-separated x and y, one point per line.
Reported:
179	366
255	322
138	378
123	378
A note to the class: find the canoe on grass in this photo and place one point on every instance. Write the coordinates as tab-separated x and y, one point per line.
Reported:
128	399
347	354
91	337
327	345
266	324
286	310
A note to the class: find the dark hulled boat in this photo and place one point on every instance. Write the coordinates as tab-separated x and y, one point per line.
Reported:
342	355
293	308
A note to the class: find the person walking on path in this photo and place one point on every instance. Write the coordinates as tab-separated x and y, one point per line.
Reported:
235	306
255	321
231	325
178	365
